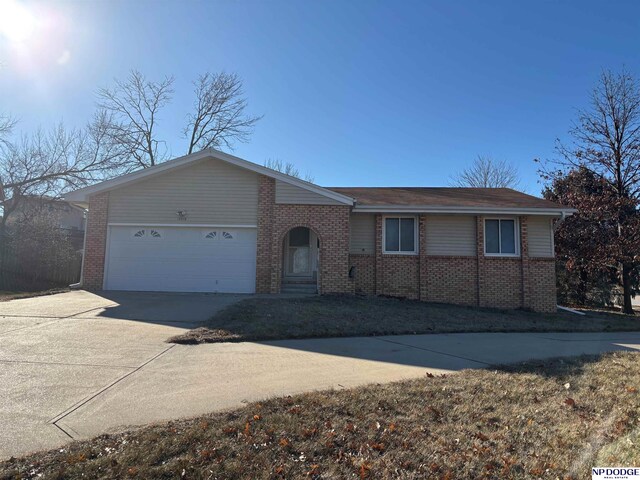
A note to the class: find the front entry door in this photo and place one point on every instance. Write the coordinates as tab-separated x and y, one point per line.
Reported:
298	253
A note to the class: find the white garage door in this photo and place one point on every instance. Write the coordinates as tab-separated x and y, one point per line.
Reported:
181	259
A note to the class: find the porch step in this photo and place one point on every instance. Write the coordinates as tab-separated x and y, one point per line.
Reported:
310	288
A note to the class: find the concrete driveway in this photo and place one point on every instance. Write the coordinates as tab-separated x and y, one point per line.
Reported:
76	364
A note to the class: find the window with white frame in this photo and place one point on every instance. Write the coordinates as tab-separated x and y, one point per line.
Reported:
400	235
501	237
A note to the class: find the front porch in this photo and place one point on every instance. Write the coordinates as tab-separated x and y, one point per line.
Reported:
300	261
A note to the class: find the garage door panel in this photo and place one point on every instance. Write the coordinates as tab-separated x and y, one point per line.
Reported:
181	259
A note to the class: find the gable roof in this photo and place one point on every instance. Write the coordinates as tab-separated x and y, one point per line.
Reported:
364	199
451	200
81	196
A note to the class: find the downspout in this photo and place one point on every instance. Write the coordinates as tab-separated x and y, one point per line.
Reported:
84	251
563	217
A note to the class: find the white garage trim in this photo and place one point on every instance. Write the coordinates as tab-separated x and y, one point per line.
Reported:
185	225
175	259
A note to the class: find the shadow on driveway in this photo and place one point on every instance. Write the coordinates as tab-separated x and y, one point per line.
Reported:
435	351
186	309
457	351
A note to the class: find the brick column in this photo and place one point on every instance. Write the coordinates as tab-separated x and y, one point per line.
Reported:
95	242
423	291
481	259
266	202
379	260
524	255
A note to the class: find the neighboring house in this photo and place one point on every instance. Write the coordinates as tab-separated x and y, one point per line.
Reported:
212	222
68	216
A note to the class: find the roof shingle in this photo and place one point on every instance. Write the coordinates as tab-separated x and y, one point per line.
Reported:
444	197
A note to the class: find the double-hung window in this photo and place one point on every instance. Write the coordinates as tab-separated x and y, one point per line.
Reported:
501	237
400	235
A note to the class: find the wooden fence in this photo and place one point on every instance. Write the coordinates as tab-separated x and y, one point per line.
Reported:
17	276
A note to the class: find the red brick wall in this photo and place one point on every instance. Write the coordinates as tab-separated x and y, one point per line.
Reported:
396	275
501	283
400	276
497	282
266	202
365	273
452	280
542	284
96	241
524	265
329	222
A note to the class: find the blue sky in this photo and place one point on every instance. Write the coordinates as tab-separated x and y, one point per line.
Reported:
368	93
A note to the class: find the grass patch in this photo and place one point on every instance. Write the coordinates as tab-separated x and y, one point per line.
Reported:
551	419
6	296
348	315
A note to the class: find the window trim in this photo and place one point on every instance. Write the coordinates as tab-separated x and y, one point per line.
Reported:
416	228
516	227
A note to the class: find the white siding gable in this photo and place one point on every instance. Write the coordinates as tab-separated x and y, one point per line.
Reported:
211	192
286	193
451	235
362	233
540	233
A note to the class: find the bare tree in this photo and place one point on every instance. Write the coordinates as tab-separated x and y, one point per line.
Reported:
50	163
218	118
606	143
7	124
486	172
132	107
287	168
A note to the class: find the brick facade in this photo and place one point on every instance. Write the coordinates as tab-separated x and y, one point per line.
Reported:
396	275
485	281
329	222
542	284
452	280
502	282
95	242
364	274
266	203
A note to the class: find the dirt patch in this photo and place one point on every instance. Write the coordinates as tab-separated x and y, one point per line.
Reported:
346	316
552	419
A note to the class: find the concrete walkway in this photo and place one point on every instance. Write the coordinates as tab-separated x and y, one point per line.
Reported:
75	365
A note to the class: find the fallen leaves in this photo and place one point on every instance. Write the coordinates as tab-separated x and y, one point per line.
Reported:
364	470
309	432
379	447
477	428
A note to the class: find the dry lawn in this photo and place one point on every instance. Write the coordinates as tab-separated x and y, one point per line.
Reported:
345	316
551	420
6	296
